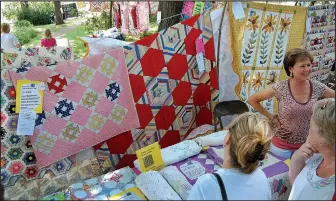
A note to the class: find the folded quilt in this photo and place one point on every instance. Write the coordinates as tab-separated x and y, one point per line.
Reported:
214	139
155	187
184	174
84	104
103	187
177	152
36	56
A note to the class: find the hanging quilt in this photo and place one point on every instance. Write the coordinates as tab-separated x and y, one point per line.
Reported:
19	172
85	103
142	12
171	96
188	7
320	39
260	42
98	6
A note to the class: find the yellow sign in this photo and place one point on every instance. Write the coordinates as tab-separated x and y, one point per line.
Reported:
29	95
150	158
288	162
129	194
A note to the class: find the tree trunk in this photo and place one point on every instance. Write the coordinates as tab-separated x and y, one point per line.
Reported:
24	5
58	14
168	9
111	14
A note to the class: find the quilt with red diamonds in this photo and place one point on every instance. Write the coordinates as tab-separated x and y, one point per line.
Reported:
172	97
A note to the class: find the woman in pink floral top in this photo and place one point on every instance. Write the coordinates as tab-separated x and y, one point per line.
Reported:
295	97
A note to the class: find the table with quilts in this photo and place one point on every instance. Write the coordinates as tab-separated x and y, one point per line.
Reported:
184	163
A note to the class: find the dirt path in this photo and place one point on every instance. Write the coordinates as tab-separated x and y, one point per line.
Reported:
73	24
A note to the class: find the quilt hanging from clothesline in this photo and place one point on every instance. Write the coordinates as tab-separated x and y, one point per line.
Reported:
21	176
260	42
320	39
98	6
86	102
172	97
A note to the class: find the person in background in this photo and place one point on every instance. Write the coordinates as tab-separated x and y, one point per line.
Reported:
246	143
48	41
295	97
8	40
312	169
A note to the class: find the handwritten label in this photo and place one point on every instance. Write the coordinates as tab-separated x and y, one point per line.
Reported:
198	7
238	11
200	62
199	45
158	17
192	169
308	24
150	158
26	123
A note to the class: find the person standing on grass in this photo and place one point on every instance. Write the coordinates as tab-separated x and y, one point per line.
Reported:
48	41
8	40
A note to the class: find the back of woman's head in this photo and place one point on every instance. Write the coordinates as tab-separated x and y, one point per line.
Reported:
47	33
324	119
250	141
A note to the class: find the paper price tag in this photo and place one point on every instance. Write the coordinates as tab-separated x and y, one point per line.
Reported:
308	24
238	11
26	123
129	194
150	158
200	62
158	17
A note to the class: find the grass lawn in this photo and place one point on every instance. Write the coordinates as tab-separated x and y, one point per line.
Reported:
36	41
77	45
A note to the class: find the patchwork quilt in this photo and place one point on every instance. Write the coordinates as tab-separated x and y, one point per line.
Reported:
320	39
260	42
171	96
84	104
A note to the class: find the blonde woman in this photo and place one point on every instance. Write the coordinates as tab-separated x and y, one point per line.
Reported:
8	40
296	96
246	143
312	169
48	41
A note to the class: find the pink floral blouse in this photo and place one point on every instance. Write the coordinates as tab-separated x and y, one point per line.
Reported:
294	117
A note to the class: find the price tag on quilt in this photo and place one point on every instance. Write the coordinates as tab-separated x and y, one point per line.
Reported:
29	96
192	169
150	158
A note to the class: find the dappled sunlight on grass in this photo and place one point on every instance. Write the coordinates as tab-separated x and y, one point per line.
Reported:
77	45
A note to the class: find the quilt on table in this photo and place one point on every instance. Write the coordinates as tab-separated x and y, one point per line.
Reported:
260	42
155	187
320	39
85	103
102	187
177	152
36	56
171	96
183	175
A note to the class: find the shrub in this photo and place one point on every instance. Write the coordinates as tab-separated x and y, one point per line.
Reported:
25	34
22	23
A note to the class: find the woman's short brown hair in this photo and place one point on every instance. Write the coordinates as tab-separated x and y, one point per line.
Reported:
4	27
250	141
296	55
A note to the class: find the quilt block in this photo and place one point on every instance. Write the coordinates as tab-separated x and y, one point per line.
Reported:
172	97
268	32
320	39
84	104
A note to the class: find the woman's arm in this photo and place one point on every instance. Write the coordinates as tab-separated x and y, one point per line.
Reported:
328	93
298	160
256	98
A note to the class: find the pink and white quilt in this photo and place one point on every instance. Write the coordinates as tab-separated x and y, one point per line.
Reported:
84	103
